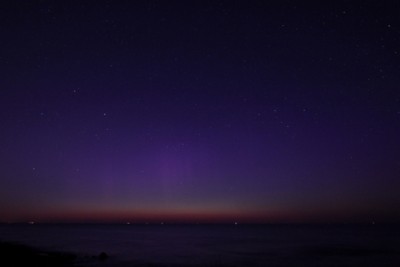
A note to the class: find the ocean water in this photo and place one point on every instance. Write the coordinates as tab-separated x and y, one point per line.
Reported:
216	245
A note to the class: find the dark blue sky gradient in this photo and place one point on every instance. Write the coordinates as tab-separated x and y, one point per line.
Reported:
193	111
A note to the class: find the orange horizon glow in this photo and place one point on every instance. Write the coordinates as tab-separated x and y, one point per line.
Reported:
180	216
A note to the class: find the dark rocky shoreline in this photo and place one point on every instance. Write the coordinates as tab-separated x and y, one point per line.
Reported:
15	254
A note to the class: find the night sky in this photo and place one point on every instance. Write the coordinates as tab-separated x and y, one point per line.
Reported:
197	111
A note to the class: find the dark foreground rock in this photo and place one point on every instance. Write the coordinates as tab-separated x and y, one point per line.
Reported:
13	254
103	256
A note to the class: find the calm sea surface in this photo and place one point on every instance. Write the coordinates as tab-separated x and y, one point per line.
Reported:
218	245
